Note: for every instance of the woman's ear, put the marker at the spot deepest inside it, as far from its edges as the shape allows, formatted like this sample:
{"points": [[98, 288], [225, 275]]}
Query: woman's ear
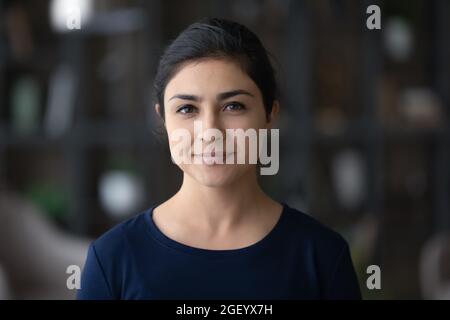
{"points": [[274, 113], [158, 110]]}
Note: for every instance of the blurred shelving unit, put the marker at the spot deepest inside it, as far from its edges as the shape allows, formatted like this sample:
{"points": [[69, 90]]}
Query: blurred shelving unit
{"points": [[2, 94], [441, 81], [103, 72], [406, 166]]}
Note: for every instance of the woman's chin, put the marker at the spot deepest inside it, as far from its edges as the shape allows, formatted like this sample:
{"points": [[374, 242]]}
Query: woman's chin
{"points": [[215, 176]]}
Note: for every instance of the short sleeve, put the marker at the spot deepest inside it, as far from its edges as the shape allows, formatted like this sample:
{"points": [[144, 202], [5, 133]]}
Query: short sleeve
{"points": [[344, 282], [94, 285]]}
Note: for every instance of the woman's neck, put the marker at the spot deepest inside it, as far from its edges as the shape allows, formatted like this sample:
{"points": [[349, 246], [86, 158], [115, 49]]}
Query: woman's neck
{"points": [[218, 207]]}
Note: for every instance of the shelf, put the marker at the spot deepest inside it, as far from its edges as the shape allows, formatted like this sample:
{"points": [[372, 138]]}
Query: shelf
{"points": [[101, 133]]}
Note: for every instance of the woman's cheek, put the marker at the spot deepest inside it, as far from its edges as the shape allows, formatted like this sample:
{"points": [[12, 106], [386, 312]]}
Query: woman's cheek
{"points": [[180, 141]]}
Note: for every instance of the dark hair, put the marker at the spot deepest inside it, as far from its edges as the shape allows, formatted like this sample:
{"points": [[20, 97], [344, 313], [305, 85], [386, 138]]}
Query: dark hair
{"points": [[218, 38]]}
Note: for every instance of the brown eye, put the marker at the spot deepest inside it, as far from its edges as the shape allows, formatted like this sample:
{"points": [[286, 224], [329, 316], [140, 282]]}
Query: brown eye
{"points": [[186, 109], [234, 106]]}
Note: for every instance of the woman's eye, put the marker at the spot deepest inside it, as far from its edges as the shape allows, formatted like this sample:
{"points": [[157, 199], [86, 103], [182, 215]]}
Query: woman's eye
{"points": [[186, 109], [234, 106]]}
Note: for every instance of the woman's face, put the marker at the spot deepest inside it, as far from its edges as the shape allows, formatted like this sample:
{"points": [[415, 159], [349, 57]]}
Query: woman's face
{"points": [[216, 94]]}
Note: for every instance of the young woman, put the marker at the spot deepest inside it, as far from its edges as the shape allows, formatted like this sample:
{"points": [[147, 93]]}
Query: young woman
{"points": [[220, 236]]}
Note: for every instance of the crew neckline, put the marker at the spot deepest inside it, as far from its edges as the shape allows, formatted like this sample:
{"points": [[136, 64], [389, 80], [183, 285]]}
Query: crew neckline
{"points": [[163, 239]]}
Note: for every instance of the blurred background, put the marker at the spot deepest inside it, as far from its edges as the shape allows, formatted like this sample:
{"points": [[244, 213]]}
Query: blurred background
{"points": [[364, 129]]}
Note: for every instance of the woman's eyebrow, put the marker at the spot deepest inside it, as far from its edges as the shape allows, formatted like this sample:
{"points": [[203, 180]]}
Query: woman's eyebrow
{"points": [[185, 97], [232, 93], [221, 96]]}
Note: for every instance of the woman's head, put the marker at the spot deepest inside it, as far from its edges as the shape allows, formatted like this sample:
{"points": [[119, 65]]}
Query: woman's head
{"points": [[218, 39], [216, 73]]}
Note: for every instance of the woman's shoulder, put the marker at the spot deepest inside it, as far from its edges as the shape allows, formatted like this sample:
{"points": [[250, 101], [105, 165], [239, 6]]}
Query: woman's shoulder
{"points": [[307, 229], [117, 239]]}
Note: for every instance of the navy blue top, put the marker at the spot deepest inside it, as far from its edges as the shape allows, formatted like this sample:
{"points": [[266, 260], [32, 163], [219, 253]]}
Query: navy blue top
{"points": [[298, 259]]}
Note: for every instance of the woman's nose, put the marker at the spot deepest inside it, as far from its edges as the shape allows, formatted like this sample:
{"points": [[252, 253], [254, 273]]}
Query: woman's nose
{"points": [[211, 127], [211, 120]]}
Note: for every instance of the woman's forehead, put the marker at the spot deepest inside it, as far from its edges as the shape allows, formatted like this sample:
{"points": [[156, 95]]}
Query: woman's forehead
{"points": [[209, 76]]}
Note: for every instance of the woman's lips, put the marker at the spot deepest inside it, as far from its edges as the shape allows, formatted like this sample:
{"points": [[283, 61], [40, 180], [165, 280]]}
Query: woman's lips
{"points": [[210, 158], [213, 154]]}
